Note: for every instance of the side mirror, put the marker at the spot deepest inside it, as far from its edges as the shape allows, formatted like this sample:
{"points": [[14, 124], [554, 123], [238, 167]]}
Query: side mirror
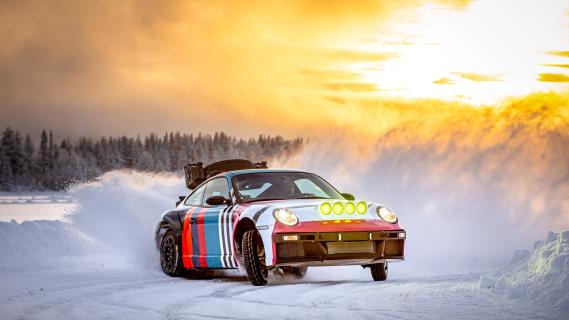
{"points": [[180, 199], [217, 200], [348, 196]]}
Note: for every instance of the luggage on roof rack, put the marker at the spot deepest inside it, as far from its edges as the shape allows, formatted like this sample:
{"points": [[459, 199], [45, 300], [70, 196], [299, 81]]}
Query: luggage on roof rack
{"points": [[196, 173]]}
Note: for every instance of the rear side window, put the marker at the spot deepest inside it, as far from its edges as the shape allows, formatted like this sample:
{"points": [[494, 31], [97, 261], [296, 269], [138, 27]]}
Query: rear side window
{"points": [[195, 199], [216, 187]]}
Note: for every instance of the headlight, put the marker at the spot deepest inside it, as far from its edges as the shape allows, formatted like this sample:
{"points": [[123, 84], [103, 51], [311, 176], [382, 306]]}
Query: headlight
{"points": [[286, 217], [386, 214]]}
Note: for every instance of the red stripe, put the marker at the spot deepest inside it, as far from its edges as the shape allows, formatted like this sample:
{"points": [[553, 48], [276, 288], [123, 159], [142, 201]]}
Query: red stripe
{"points": [[201, 237], [274, 247], [187, 241]]}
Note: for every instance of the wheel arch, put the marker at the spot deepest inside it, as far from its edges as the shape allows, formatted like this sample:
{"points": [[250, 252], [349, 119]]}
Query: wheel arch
{"points": [[243, 226], [170, 220]]}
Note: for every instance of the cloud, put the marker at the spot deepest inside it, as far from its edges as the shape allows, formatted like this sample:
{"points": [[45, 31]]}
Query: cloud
{"points": [[565, 66], [351, 86], [564, 54], [98, 65], [553, 77], [479, 77], [444, 81]]}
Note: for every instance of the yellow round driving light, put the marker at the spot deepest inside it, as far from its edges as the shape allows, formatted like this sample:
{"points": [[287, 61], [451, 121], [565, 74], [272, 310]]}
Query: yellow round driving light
{"points": [[286, 217], [386, 214], [361, 207], [350, 208], [325, 208], [338, 208]]}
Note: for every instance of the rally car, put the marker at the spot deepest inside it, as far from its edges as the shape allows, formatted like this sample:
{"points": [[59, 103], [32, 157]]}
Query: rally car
{"points": [[242, 214]]}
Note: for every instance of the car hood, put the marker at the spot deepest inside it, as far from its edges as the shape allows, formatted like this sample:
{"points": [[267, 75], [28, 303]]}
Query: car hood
{"points": [[309, 209]]}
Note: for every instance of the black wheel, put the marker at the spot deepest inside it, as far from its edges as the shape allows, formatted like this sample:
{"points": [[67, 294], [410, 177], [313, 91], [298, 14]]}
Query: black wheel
{"points": [[379, 271], [254, 258], [170, 255], [297, 272]]}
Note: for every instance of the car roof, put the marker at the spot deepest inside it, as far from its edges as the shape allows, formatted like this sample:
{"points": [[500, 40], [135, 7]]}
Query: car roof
{"points": [[231, 174]]}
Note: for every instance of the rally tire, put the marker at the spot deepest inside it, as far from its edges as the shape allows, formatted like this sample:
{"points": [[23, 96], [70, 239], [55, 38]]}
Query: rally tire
{"points": [[253, 255], [379, 271], [170, 255]]}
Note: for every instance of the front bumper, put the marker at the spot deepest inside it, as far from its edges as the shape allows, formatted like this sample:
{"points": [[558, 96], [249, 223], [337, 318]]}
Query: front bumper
{"points": [[338, 248]]}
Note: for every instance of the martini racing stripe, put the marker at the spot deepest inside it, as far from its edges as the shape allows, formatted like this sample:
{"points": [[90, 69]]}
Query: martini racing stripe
{"points": [[224, 236], [187, 243], [212, 236], [194, 239], [259, 213], [201, 236], [229, 237]]}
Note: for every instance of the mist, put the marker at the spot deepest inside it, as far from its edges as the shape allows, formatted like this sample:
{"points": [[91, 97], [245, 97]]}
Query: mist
{"points": [[470, 185]]}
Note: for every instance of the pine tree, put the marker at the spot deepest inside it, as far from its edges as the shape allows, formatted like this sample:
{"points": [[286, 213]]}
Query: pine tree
{"points": [[57, 165]]}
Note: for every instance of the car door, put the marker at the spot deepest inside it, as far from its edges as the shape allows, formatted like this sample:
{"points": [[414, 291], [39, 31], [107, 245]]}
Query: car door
{"points": [[206, 237], [190, 238]]}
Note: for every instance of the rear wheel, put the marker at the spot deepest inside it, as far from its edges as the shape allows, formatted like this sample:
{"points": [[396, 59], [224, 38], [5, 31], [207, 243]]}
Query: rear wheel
{"points": [[379, 271], [254, 258], [170, 255]]}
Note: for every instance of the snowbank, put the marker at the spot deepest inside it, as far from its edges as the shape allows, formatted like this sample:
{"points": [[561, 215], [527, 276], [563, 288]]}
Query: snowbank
{"points": [[32, 242], [541, 276]]}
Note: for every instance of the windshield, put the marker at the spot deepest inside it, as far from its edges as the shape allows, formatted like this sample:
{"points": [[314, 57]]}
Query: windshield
{"points": [[282, 186]]}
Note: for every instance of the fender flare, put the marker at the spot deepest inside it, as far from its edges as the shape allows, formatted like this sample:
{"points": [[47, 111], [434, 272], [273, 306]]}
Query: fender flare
{"points": [[170, 220], [246, 224]]}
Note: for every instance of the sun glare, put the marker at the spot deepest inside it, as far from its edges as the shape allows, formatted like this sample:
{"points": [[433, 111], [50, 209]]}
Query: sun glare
{"points": [[479, 54]]}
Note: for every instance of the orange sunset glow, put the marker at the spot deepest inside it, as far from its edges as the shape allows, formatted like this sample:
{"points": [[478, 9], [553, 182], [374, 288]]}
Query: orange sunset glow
{"points": [[299, 64]]}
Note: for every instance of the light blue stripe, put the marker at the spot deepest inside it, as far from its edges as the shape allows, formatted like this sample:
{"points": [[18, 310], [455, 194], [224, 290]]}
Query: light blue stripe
{"points": [[212, 236]]}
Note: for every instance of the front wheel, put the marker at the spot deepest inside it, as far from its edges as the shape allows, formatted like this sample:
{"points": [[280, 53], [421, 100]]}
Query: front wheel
{"points": [[254, 258], [170, 257], [379, 271]]}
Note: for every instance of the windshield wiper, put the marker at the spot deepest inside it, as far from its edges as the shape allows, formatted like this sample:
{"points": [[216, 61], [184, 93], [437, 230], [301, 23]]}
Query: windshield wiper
{"points": [[264, 199], [312, 197]]}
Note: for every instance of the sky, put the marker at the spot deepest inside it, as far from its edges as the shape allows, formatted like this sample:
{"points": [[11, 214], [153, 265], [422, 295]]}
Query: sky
{"points": [[295, 68], [455, 113]]}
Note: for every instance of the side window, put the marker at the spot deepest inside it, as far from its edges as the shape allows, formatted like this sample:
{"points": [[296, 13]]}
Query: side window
{"points": [[216, 187], [195, 199]]}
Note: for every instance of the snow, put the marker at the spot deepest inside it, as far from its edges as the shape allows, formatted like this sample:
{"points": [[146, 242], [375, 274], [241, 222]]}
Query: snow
{"points": [[35, 206], [100, 263], [541, 276]]}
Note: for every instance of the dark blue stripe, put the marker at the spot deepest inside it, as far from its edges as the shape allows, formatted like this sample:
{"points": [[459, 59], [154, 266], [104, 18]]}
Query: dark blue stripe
{"points": [[259, 213], [195, 238]]}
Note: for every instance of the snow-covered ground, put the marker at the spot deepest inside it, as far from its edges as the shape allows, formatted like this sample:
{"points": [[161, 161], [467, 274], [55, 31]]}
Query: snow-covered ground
{"points": [[100, 263], [35, 206]]}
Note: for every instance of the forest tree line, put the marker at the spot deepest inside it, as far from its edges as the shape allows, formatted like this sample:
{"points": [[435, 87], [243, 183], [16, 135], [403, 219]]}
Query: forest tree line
{"points": [[55, 165]]}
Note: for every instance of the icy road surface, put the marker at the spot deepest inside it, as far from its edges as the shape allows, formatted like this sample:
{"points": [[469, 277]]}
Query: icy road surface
{"points": [[104, 293]]}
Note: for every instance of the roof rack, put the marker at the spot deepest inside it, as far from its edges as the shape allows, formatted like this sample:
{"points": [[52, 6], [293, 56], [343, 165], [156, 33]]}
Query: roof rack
{"points": [[196, 173]]}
